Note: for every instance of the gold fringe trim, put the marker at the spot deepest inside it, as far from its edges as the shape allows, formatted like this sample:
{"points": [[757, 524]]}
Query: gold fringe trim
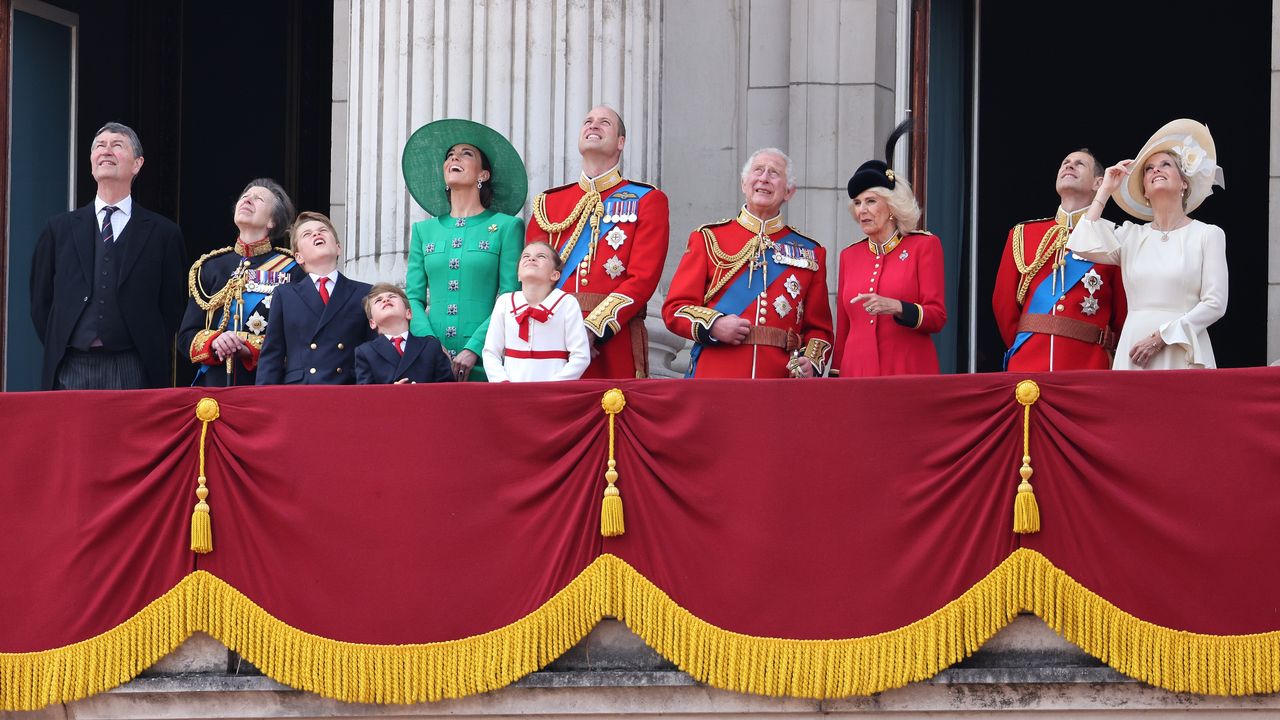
{"points": [[352, 672]]}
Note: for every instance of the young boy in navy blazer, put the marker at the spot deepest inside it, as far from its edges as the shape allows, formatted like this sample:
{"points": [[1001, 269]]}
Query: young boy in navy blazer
{"points": [[316, 323], [396, 356]]}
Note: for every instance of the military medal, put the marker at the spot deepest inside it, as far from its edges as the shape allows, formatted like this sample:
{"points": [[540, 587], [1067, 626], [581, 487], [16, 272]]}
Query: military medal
{"points": [[1092, 282], [792, 286], [256, 324], [635, 205], [795, 256], [613, 266], [615, 238], [781, 306]]}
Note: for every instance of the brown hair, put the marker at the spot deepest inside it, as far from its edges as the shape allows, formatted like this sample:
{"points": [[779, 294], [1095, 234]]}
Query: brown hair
{"points": [[556, 260], [378, 289], [308, 216]]}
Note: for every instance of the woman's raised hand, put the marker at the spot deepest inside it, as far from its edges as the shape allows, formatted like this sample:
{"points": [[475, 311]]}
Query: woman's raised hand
{"points": [[1112, 178]]}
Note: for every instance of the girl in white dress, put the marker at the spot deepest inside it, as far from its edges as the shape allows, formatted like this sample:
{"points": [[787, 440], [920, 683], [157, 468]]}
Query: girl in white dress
{"points": [[1174, 268], [536, 333]]}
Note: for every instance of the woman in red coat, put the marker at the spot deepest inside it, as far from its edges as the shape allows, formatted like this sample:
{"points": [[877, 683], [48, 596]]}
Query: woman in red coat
{"points": [[890, 292]]}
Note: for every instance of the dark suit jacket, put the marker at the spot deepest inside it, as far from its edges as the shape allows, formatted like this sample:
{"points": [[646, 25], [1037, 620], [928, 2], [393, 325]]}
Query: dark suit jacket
{"points": [[309, 342], [151, 286], [424, 361]]}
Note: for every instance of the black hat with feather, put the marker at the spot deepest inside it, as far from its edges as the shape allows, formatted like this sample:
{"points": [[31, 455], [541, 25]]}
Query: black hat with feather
{"points": [[877, 173]]}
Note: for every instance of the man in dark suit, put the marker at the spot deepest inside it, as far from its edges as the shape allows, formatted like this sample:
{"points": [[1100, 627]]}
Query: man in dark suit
{"points": [[316, 323], [107, 288], [396, 356]]}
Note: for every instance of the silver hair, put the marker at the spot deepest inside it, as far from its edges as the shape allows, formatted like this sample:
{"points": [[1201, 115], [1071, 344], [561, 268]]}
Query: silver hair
{"points": [[121, 129], [786, 159], [902, 203]]}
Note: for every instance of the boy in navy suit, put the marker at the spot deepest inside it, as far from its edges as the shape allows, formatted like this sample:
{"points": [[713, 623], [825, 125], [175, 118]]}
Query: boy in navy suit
{"points": [[317, 322], [396, 356]]}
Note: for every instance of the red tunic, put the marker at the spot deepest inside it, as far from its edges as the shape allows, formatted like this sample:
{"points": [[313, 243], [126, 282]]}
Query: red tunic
{"points": [[614, 288], [1042, 351], [910, 271], [795, 300]]}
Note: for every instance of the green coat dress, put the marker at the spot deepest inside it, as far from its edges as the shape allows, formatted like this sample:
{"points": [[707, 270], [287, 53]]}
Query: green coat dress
{"points": [[463, 265]]}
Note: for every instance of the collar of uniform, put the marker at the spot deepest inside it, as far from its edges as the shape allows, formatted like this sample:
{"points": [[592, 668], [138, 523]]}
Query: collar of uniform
{"points": [[1069, 219], [607, 181], [886, 248], [253, 249], [753, 223]]}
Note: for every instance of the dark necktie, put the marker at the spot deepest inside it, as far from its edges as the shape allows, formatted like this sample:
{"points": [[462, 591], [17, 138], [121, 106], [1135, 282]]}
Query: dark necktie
{"points": [[399, 343], [324, 290], [107, 235]]}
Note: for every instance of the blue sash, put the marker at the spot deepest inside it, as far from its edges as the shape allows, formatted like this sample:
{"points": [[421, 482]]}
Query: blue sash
{"points": [[1043, 299], [584, 239], [737, 297], [249, 300]]}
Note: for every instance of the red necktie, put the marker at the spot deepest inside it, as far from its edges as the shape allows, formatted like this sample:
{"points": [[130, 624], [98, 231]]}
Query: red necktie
{"points": [[538, 313], [324, 291], [399, 343]]}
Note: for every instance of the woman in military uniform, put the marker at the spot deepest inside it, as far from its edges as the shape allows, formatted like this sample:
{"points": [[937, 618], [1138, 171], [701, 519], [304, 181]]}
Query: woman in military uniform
{"points": [[472, 182], [230, 289]]}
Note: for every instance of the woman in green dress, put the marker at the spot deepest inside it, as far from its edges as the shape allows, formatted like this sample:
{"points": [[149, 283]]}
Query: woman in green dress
{"points": [[472, 181]]}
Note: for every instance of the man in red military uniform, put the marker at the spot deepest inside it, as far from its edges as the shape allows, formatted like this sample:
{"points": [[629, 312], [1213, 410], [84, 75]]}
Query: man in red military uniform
{"points": [[1055, 310], [612, 234], [752, 292]]}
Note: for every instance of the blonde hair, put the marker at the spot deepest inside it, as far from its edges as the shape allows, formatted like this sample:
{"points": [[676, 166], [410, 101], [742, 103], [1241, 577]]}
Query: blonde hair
{"points": [[1177, 165], [901, 201]]}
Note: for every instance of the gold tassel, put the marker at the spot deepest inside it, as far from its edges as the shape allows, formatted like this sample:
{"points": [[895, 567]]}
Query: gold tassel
{"points": [[1026, 511], [611, 522], [201, 524]]}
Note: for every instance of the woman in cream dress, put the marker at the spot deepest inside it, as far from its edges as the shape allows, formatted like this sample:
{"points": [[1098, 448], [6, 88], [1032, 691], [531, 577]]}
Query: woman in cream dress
{"points": [[1174, 267]]}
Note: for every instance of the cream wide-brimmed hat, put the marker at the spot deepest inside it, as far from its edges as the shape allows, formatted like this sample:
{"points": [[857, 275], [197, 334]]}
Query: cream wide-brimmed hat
{"points": [[1188, 141]]}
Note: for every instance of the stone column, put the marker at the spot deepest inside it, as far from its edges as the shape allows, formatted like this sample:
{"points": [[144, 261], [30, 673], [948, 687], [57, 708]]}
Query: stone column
{"points": [[841, 96], [813, 77], [528, 68]]}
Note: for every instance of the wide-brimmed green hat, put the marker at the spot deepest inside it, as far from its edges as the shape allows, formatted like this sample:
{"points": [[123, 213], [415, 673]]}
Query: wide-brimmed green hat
{"points": [[423, 165]]}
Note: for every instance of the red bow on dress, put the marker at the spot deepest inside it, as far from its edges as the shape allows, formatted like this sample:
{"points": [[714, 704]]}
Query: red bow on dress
{"points": [[538, 313]]}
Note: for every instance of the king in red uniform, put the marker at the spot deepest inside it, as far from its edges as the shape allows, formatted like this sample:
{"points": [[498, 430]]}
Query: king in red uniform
{"points": [[612, 234], [1057, 311], [752, 292]]}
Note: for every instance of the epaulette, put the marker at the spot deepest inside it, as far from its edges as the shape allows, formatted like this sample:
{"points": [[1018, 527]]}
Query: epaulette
{"points": [[921, 231], [710, 225], [641, 184], [283, 251], [1028, 222], [558, 188], [793, 229], [194, 273], [194, 289]]}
